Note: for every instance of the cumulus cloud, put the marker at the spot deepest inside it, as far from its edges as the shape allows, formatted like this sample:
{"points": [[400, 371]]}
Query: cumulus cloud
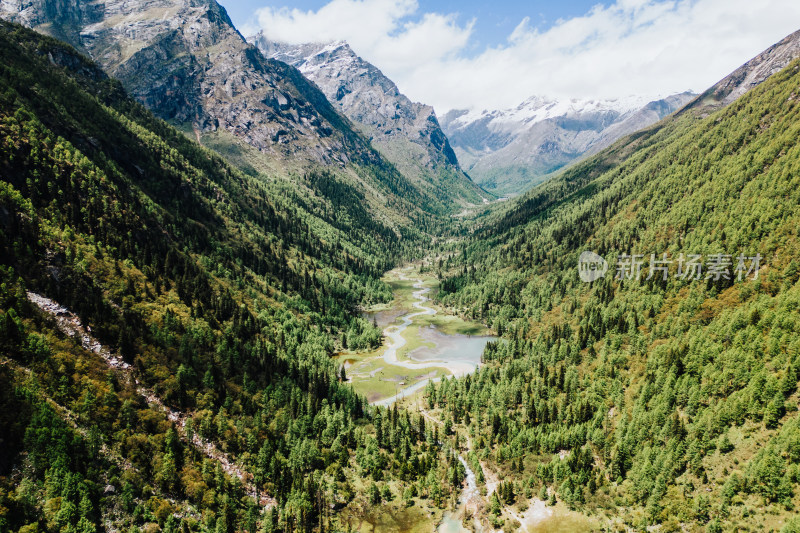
{"points": [[389, 33], [646, 48]]}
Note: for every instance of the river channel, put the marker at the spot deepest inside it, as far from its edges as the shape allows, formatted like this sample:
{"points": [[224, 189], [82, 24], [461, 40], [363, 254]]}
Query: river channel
{"points": [[459, 354]]}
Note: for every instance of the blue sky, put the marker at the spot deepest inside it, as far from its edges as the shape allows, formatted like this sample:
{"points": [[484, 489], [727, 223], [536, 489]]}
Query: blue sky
{"points": [[476, 55], [494, 21]]}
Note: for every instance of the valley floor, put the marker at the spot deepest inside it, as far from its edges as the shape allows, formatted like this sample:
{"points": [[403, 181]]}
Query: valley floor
{"points": [[423, 343]]}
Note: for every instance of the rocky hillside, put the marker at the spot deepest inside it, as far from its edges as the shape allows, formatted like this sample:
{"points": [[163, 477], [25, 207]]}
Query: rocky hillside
{"points": [[405, 132], [187, 63], [751, 74], [509, 151]]}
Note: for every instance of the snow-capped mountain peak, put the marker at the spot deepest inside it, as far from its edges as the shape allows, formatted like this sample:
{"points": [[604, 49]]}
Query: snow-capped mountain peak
{"points": [[539, 108], [405, 132], [510, 150]]}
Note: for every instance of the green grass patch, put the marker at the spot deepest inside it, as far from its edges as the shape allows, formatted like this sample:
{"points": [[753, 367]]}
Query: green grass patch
{"points": [[393, 517], [413, 341], [369, 374], [452, 325], [387, 381]]}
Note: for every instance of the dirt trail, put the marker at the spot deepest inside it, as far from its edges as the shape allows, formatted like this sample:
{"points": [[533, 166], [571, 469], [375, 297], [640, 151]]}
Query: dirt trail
{"points": [[70, 325]]}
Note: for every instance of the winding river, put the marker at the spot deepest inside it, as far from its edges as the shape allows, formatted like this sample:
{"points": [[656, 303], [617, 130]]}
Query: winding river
{"points": [[459, 354], [470, 498]]}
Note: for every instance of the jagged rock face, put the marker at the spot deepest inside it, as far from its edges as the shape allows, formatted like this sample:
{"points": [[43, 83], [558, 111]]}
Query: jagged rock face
{"points": [[510, 151], [407, 133], [185, 60], [750, 75]]}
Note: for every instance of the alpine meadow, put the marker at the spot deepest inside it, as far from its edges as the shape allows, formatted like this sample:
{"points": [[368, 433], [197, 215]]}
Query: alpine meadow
{"points": [[250, 285]]}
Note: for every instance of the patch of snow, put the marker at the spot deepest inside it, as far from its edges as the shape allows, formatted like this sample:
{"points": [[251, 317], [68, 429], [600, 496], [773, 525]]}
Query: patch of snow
{"points": [[539, 108]]}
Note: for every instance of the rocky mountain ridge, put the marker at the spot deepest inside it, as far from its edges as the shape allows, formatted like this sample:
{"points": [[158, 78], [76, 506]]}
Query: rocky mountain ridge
{"points": [[405, 132], [751, 74], [185, 60]]}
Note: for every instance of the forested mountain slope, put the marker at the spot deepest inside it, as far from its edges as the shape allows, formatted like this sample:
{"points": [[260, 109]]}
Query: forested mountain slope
{"points": [[187, 63], [654, 401], [194, 376]]}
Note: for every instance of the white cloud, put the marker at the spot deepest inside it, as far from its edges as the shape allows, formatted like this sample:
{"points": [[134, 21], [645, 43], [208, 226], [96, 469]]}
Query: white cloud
{"points": [[646, 48], [381, 31]]}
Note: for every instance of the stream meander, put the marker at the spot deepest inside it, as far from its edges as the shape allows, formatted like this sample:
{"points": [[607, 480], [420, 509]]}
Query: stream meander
{"points": [[458, 354]]}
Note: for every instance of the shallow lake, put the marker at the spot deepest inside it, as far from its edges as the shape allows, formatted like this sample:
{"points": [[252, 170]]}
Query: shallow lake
{"points": [[450, 347], [458, 354]]}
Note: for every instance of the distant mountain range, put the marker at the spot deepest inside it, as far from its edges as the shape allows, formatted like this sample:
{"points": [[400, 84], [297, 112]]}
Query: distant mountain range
{"points": [[505, 152], [186, 61], [405, 132], [509, 151]]}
